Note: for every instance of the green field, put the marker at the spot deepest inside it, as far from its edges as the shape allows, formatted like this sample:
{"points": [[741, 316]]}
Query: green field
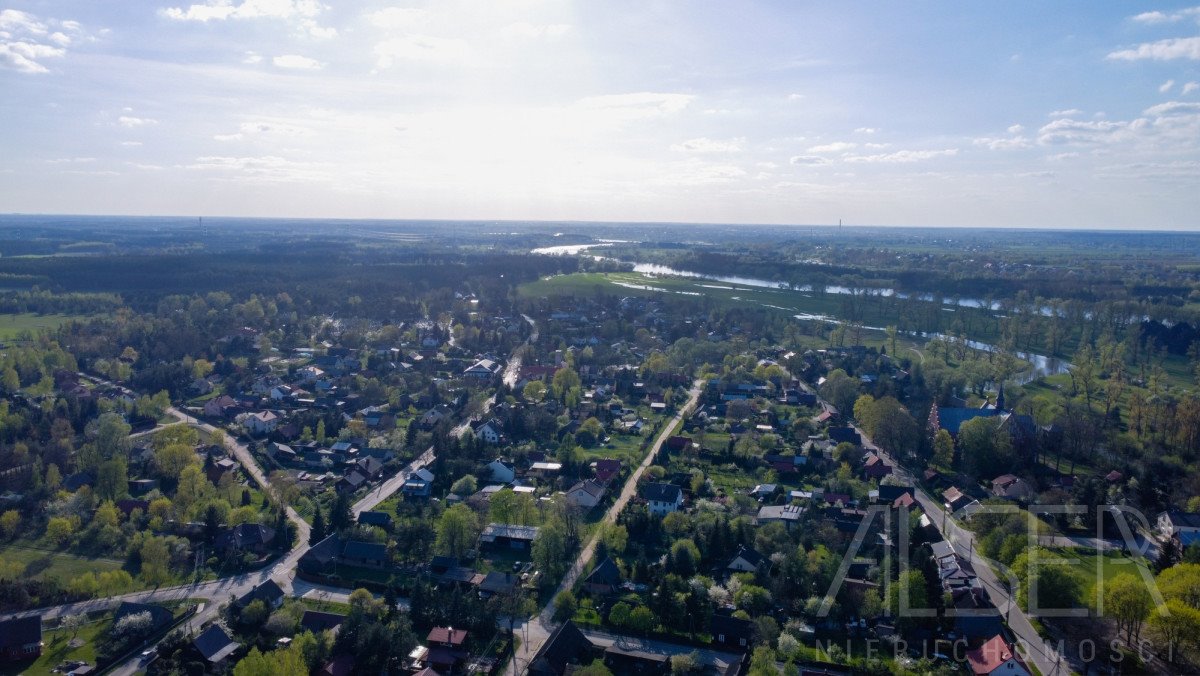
{"points": [[42, 563], [13, 325], [1084, 563]]}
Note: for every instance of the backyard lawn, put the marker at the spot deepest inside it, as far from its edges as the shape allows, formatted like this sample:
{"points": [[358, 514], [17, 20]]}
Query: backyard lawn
{"points": [[12, 325]]}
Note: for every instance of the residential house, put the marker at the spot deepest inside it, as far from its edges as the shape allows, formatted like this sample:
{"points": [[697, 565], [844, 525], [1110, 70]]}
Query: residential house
{"points": [[875, 468], [605, 470], [352, 481], [433, 416], [364, 554], [445, 648], [746, 560], [788, 515], [565, 650], [501, 472], [845, 435], [263, 422], [268, 592], [489, 431], [510, 536], [730, 631], [1176, 522], [419, 484], [604, 579], [246, 537], [484, 369], [220, 407], [1013, 487], [662, 499], [586, 494], [21, 638], [955, 499], [996, 657], [497, 583], [316, 621], [214, 646]]}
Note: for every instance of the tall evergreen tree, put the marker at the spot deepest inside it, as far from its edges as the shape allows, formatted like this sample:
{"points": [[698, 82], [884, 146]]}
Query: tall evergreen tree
{"points": [[318, 530]]}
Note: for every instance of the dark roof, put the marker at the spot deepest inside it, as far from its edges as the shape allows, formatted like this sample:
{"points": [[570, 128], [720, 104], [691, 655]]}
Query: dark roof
{"points": [[317, 621], [845, 435], [440, 564], [19, 632], [447, 636], [951, 418], [159, 616], [245, 535], [889, 493], [733, 628], [341, 665], [566, 645], [370, 551], [496, 582], [267, 592], [661, 492], [749, 555], [214, 644], [375, 518], [606, 573], [323, 552]]}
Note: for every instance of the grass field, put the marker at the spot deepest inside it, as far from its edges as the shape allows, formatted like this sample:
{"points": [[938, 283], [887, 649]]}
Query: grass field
{"points": [[1084, 563], [41, 563], [12, 325]]}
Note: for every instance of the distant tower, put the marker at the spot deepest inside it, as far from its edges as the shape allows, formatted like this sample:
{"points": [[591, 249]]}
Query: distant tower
{"points": [[1000, 398]]}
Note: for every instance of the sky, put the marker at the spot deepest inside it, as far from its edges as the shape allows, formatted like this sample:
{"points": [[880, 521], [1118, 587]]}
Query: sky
{"points": [[1080, 114]]}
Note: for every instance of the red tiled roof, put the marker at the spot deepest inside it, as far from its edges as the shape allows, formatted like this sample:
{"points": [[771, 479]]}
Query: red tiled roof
{"points": [[988, 657], [447, 636]]}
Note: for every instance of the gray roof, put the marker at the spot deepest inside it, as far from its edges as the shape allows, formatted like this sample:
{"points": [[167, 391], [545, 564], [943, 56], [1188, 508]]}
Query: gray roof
{"points": [[510, 531], [214, 644], [658, 492]]}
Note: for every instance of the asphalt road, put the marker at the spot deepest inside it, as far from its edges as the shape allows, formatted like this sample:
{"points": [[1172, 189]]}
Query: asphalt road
{"points": [[535, 631]]}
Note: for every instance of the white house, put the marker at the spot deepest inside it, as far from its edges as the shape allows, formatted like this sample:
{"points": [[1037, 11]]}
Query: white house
{"points": [[586, 494], [746, 560], [263, 422], [483, 369], [501, 472], [996, 657], [1176, 522], [491, 431], [311, 374], [662, 499]]}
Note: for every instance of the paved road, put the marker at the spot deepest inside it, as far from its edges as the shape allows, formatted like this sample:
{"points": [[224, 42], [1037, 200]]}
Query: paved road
{"points": [[535, 631], [1036, 651], [385, 489], [512, 372]]}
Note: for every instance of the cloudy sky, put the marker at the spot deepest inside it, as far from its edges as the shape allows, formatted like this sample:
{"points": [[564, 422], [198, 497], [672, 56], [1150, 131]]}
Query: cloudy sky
{"points": [[1065, 114]]}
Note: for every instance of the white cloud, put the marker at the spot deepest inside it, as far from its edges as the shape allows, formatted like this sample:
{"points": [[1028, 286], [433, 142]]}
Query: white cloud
{"points": [[809, 160], [131, 144], [1016, 129], [265, 128], [133, 122], [1163, 50], [398, 17], [528, 31], [1013, 143], [1174, 108], [1069, 112], [1190, 87], [252, 58], [71, 160], [1166, 86], [707, 145], [866, 130], [296, 62], [426, 48], [1068, 131], [903, 156], [795, 97], [302, 12], [1157, 17], [227, 137], [27, 41], [835, 147]]}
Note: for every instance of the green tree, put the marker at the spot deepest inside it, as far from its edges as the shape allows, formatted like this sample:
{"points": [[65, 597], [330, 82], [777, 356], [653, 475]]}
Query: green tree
{"points": [[112, 479], [551, 549], [10, 523], [943, 449], [457, 529], [171, 460], [642, 620], [1057, 586], [565, 606], [60, 528], [534, 391], [618, 615], [615, 539], [596, 668], [156, 557], [985, 448], [1177, 630], [466, 485], [1128, 600]]}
